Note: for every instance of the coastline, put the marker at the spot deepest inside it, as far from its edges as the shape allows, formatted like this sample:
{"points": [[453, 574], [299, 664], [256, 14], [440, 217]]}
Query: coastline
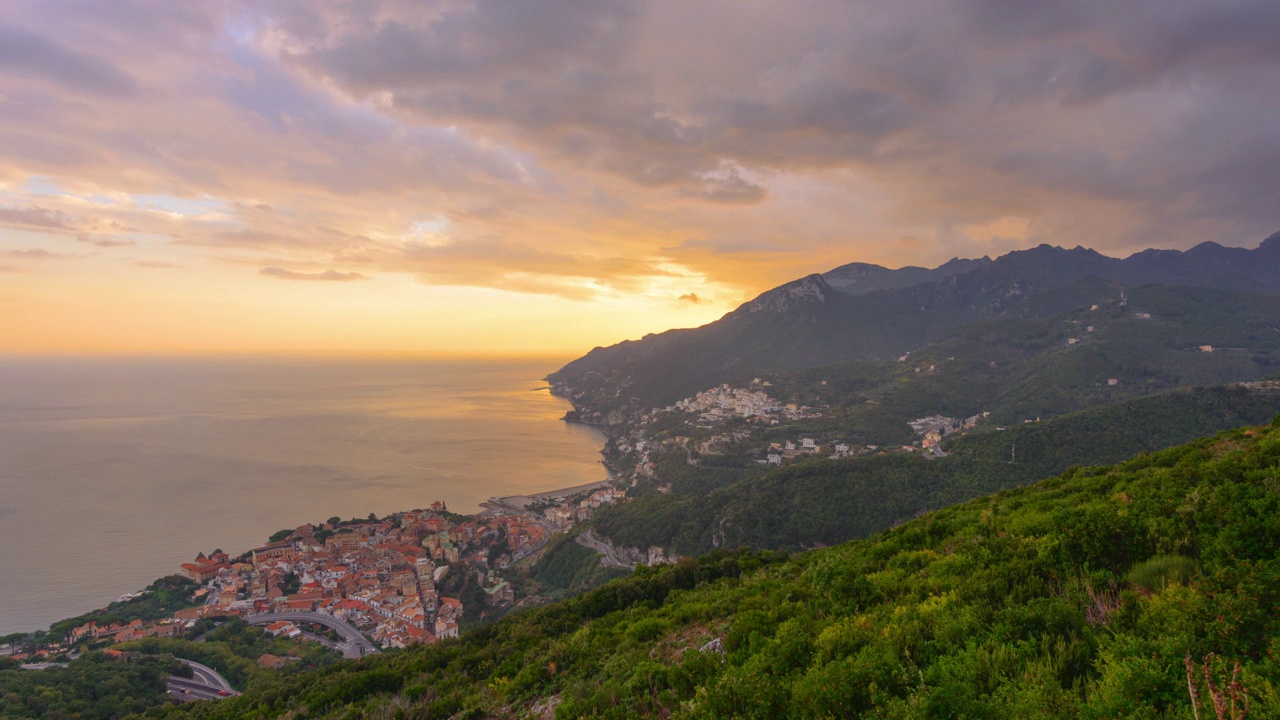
{"points": [[373, 424], [521, 502]]}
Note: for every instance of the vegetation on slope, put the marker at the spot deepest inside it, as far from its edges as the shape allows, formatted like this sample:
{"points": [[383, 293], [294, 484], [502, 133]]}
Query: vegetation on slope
{"points": [[1021, 369], [827, 502], [233, 649], [1083, 596], [94, 686]]}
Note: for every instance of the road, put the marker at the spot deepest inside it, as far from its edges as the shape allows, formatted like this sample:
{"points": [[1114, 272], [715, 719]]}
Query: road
{"points": [[207, 675], [206, 683], [587, 540], [355, 643], [184, 690]]}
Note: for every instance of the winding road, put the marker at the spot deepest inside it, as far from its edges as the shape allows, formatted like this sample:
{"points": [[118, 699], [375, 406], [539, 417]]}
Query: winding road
{"points": [[588, 540], [205, 684], [354, 644]]}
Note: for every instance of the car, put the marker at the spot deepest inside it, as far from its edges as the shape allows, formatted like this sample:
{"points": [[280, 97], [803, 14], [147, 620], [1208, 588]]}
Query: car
{"points": [[224, 693], [185, 691]]}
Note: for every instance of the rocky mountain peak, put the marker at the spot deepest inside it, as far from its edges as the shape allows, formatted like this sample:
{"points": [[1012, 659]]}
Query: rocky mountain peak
{"points": [[810, 289]]}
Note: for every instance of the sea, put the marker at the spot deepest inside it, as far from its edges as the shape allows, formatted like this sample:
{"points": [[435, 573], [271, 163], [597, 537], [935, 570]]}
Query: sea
{"points": [[113, 472]]}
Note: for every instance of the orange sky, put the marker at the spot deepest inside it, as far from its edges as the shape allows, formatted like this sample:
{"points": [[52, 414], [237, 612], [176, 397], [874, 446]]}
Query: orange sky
{"points": [[512, 178]]}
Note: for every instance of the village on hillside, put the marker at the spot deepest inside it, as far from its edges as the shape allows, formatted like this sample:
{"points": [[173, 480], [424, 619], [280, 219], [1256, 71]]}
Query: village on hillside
{"points": [[728, 420]]}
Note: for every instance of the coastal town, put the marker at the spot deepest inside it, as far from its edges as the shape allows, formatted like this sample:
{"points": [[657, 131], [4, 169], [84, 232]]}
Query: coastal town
{"points": [[409, 578], [387, 577]]}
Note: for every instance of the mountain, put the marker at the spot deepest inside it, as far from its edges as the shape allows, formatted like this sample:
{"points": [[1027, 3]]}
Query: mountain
{"points": [[862, 278], [1127, 591], [825, 502], [1125, 374], [811, 322]]}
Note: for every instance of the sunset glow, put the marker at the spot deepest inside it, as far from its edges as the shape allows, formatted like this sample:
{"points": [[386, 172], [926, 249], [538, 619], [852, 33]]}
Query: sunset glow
{"points": [[498, 178]]}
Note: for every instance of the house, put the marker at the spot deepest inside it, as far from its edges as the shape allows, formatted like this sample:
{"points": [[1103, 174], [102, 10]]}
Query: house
{"points": [[203, 569], [450, 609], [285, 628], [774, 459], [446, 628], [273, 662]]}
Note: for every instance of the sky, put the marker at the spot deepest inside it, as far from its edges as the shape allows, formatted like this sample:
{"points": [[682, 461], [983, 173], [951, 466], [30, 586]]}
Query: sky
{"points": [[520, 177]]}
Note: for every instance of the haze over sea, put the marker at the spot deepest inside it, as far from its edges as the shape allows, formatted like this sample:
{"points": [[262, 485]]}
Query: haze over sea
{"points": [[113, 472]]}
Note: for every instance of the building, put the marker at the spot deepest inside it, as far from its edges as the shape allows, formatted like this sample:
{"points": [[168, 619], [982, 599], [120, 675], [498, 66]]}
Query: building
{"points": [[274, 552], [204, 569]]}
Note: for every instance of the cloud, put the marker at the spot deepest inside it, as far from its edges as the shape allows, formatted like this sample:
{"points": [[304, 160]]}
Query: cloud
{"points": [[101, 241], [498, 262], [35, 254], [584, 149], [155, 264], [690, 298], [34, 217], [326, 276], [30, 54], [730, 189], [922, 98]]}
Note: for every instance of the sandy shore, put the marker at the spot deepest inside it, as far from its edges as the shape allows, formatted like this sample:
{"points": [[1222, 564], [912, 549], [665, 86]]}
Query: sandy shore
{"points": [[522, 501]]}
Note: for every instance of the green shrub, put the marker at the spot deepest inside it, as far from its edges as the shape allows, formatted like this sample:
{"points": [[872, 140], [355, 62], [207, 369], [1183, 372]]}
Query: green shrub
{"points": [[1159, 572]]}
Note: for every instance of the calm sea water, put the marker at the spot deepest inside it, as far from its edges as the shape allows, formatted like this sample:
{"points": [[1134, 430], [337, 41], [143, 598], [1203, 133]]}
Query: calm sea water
{"points": [[114, 472]]}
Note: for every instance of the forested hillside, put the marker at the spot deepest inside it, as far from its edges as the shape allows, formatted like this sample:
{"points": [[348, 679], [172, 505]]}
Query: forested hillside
{"points": [[823, 502], [1102, 593]]}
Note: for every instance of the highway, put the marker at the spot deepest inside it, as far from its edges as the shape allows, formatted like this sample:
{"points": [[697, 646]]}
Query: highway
{"points": [[205, 684], [184, 690], [355, 643], [207, 675]]}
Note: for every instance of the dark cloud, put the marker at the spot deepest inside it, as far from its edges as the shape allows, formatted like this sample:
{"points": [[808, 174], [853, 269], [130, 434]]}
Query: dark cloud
{"points": [[32, 55], [326, 276], [567, 146], [691, 298], [484, 40], [730, 189], [924, 94]]}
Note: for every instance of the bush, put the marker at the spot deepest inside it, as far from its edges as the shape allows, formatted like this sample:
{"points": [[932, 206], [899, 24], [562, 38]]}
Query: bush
{"points": [[1159, 572]]}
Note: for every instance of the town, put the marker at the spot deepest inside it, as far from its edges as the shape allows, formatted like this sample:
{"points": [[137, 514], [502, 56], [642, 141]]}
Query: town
{"points": [[397, 581]]}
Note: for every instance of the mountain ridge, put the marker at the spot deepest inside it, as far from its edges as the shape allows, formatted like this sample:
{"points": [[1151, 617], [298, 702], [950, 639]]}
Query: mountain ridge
{"points": [[809, 322]]}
